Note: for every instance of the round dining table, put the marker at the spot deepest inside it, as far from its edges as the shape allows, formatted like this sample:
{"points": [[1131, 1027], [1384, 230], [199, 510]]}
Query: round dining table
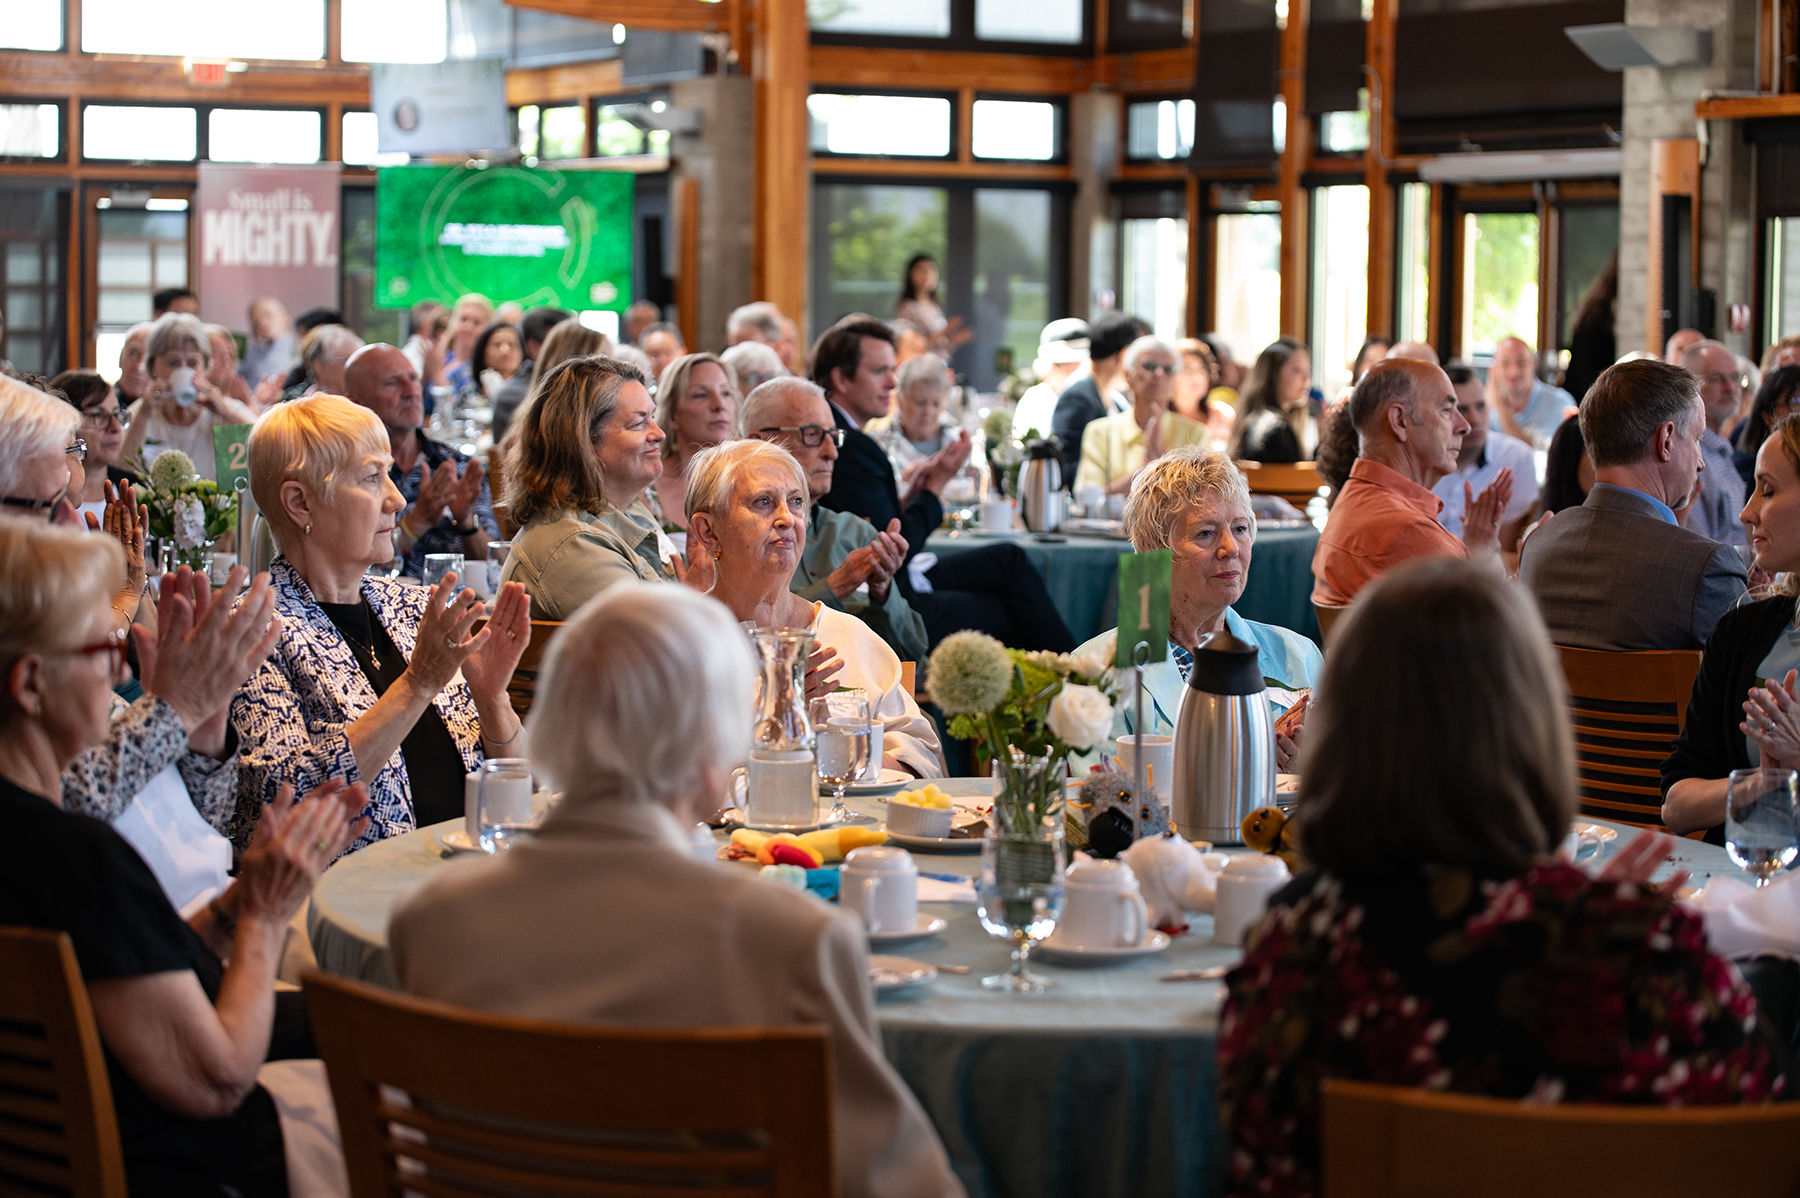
{"points": [[1101, 1085]]}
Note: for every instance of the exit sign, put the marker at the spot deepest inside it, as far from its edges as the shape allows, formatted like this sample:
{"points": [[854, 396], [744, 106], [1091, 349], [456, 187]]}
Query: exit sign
{"points": [[207, 72]]}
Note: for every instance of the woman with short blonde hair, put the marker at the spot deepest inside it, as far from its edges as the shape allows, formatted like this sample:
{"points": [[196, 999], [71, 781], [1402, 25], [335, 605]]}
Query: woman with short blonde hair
{"points": [[372, 681], [698, 406]]}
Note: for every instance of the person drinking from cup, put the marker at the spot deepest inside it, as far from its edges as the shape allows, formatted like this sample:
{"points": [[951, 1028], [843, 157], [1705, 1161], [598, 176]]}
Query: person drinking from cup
{"points": [[373, 681], [747, 504], [1743, 713], [182, 406], [1435, 941], [1196, 503]]}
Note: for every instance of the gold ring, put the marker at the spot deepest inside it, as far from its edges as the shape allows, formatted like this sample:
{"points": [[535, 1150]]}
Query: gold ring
{"points": [[450, 639], [511, 635], [324, 846]]}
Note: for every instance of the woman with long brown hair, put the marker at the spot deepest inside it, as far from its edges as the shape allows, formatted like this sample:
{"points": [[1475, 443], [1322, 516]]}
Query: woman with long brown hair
{"points": [[1275, 422]]}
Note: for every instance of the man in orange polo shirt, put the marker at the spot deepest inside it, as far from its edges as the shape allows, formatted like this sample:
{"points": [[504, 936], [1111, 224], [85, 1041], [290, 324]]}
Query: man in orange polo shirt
{"points": [[1405, 415]]}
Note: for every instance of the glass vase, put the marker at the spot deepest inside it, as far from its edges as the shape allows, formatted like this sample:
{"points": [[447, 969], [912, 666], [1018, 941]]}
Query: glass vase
{"points": [[1023, 858]]}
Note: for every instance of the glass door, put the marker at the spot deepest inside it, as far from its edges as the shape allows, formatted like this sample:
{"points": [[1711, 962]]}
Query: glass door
{"points": [[137, 251]]}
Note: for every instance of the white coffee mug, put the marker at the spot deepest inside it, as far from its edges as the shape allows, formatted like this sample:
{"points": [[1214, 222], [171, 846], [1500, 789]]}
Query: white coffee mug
{"points": [[1245, 886], [219, 568], [997, 515], [1158, 753], [881, 884], [1102, 907]]}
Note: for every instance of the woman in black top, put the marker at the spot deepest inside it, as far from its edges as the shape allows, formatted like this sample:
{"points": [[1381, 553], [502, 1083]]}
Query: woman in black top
{"points": [[1774, 399], [184, 1035], [1743, 712], [1275, 423]]}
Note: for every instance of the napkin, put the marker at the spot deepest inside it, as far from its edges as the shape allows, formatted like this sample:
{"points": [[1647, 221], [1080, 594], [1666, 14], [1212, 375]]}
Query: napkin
{"points": [[917, 567], [936, 890], [1745, 922]]}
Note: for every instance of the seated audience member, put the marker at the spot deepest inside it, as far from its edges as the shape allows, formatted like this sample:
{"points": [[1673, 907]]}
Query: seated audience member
{"points": [[1435, 941], [994, 589], [1778, 396], [1062, 348], [1276, 423], [1193, 392], [162, 420], [1372, 350], [1678, 343], [845, 563], [324, 354], [621, 687], [533, 329], [588, 448], [1715, 513], [1741, 714], [918, 427], [754, 364], [1785, 352], [103, 431], [662, 344], [1096, 390], [1338, 449], [1618, 572], [747, 506], [134, 372], [499, 355], [1114, 448], [468, 316], [269, 350], [569, 339], [184, 1033], [174, 299], [1409, 431], [697, 408], [299, 380], [373, 681], [222, 371], [424, 348], [638, 317], [1527, 406], [1568, 471], [1418, 351], [449, 508], [762, 322], [1196, 502], [1484, 453]]}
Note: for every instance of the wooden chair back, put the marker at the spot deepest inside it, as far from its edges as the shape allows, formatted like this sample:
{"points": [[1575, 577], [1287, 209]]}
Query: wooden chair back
{"points": [[909, 678], [523, 687], [1626, 709], [58, 1132], [1394, 1142], [438, 1100], [1328, 616], [495, 465], [1297, 483]]}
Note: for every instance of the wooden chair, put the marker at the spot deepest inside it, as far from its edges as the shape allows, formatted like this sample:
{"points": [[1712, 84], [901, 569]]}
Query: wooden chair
{"points": [[1394, 1142], [58, 1133], [523, 686], [495, 465], [1626, 709], [491, 1104], [1297, 484], [909, 678], [1327, 617]]}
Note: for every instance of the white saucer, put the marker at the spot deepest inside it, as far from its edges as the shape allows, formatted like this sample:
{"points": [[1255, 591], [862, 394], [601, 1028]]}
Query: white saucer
{"points": [[995, 532], [935, 844], [927, 926], [1155, 942], [889, 782], [457, 841], [890, 975], [1604, 834]]}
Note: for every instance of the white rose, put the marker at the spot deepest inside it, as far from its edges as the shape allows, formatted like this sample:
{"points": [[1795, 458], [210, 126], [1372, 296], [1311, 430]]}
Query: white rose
{"points": [[1089, 665], [1080, 716]]}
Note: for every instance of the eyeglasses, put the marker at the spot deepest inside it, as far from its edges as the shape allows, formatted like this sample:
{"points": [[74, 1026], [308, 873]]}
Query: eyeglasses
{"points": [[101, 417], [114, 644], [78, 451], [1156, 367], [1738, 381], [811, 435], [35, 505]]}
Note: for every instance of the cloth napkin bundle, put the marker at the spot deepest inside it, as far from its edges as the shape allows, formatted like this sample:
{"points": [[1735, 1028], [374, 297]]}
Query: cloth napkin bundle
{"points": [[1742, 921]]}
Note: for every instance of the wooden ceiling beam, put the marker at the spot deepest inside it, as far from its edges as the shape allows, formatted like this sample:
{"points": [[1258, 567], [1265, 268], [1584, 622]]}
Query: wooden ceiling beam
{"points": [[28, 75], [698, 16]]}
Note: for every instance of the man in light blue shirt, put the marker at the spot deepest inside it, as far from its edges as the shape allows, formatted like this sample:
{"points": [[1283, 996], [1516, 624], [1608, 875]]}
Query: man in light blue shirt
{"points": [[1721, 498], [1528, 407], [1484, 454]]}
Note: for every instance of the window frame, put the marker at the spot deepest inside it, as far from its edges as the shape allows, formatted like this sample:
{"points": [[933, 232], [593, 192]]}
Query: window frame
{"points": [[1132, 100], [962, 37], [200, 112], [957, 132], [62, 126], [324, 115], [1059, 104]]}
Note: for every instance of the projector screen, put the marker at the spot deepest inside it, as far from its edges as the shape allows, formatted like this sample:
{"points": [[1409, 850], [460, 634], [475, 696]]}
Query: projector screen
{"points": [[538, 237]]}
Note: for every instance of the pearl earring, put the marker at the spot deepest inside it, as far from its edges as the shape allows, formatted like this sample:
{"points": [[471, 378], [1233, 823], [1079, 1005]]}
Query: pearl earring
{"points": [[307, 530]]}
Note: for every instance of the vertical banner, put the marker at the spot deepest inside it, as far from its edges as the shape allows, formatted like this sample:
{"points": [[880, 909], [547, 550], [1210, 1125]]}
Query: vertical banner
{"points": [[266, 230]]}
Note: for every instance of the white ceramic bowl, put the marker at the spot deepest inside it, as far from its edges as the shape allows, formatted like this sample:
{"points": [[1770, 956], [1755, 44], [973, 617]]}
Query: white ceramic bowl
{"points": [[909, 820]]}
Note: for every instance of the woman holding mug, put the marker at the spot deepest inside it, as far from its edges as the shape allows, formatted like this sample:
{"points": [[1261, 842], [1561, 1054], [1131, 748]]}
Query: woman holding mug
{"points": [[182, 406]]}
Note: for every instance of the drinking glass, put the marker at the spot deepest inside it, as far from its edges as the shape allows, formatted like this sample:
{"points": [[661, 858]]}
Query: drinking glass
{"points": [[1019, 894], [496, 562], [438, 565], [503, 802], [1759, 822], [841, 730]]}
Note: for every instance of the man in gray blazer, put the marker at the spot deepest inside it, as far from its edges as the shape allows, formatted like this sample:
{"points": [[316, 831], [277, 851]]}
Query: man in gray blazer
{"points": [[1620, 572]]}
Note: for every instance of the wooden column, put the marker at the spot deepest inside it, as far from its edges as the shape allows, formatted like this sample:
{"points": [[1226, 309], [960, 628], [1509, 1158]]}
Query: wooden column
{"points": [[687, 257], [783, 169], [1198, 316], [1295, 292], [1379, 55], [1674, 170]]}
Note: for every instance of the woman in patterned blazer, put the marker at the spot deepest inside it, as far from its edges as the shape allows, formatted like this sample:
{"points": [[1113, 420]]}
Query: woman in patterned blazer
{"points": [[373, 681]]}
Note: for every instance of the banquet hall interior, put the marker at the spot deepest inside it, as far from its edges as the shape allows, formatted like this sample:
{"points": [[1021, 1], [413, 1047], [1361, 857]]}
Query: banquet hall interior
{"points": [[899, 597]]}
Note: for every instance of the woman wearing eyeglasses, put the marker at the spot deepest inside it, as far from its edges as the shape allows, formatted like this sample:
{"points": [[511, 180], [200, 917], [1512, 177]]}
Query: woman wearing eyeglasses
{"points": [[103, 429], [587, 449], [1114, 448]]}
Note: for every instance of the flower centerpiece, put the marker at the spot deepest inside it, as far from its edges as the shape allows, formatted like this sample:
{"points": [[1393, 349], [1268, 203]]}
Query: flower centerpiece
{"points": [[186, 511], [1029, 711]]}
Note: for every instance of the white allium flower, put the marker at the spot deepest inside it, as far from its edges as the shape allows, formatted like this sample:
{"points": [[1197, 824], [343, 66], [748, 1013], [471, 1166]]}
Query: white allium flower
{"points": [[970, 673]]}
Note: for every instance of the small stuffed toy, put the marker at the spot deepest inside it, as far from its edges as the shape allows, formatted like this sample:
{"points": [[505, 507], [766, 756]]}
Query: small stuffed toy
{"points": [[1109, 799], [1173, 878], [1269, 830]]}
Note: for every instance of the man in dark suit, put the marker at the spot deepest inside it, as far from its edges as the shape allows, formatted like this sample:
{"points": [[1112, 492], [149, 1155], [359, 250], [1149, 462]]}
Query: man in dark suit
{"points": [[994, 589], [1620, 572], [1089, 396]]}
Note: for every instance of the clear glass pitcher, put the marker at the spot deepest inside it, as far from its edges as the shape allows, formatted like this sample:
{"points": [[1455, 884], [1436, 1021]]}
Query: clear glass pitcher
{"points": [[781, 784]]}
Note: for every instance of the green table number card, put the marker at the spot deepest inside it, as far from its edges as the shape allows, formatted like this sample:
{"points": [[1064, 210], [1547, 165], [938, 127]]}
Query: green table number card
{"points": [[231, 454], [1144, 604]]}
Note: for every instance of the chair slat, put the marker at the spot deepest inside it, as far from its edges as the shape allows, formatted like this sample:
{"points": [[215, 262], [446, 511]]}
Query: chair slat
{"points": [[24, 1047], [453, 1167], [563, 1149], [35, 1168]]}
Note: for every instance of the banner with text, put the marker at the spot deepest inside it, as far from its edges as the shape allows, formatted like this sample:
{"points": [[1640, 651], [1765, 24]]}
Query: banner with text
{"points": [[266, 230]]}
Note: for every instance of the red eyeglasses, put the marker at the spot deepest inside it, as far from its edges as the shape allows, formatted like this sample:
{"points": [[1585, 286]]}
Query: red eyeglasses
{"points": [[115, 644]]}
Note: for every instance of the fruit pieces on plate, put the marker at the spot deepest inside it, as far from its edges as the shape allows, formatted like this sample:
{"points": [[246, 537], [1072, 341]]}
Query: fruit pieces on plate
{"points": [[927, 796], [808, 850]]}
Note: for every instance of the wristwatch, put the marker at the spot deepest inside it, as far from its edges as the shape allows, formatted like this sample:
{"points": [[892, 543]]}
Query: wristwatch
{"points": [[474, 527]]}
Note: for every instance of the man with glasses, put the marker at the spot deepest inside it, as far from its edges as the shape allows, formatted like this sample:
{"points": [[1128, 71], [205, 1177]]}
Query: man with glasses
{"points": [[1715, 512]]}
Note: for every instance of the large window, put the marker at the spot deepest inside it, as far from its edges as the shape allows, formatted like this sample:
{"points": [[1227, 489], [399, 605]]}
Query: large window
{"points": [[911, 126], [395, 30], [894, 18], [1247, 292], [1412, 279], [1159, 129], [617, 134], [1782, 304], [1012, 282], [132, 134], [362, 134], [30, 254], [1340, 282], [358, 257], [30, 131], [863, 237], [1589, 236], [263, 135], [553, 133], [140, 252], [1019, 129], [292, 29], [1499, 279], [1054, 21], [957, 23], [32, 25], [1153, 266]]}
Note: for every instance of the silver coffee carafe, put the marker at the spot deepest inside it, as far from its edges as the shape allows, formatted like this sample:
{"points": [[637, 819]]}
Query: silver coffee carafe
{"points": [[1224, 743], [1040, 488]]}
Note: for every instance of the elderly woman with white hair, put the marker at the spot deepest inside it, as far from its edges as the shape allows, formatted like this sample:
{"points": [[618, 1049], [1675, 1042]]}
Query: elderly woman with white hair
{"points": [[1196, 503], [182, 406], [755, 364], [640, 733], [372, 681], [1114, 448], [747, 505], [917, 426]]}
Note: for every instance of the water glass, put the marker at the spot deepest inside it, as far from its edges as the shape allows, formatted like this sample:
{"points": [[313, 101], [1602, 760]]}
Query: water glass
{"points": [[503, 804], [841, 730], [1759, 822], [496, 562], [1019, 893], [438, 565]]}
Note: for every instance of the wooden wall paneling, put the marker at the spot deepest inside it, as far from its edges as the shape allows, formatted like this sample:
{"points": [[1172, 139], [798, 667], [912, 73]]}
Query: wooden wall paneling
{"points": [[693, 15], [1674, 170], [559, 84], [1435, 279], [687, 257], [1295, 242], [1209, 271], [334, 32], [1379, 74], [1549, 332], [742, 41], [965, 124], [783, 168], [334, 132], [943, 70], [1768, 48], [161, 80]]}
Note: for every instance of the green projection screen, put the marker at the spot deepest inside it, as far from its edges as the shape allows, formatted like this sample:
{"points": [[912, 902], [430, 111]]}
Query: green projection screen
{"points": [[538, 237]]}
